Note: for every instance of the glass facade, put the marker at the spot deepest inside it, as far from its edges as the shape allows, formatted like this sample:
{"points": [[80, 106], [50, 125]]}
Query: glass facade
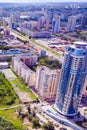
{"points": [[72, 79]]}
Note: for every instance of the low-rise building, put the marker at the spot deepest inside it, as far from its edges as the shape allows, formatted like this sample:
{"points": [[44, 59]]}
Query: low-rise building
{"points": [[3, 65], [36, 34]]}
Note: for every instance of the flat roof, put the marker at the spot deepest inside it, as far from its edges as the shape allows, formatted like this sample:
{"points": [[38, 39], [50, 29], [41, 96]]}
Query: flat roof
{"points": [[24, 16], [3, 63], [80, 43]]}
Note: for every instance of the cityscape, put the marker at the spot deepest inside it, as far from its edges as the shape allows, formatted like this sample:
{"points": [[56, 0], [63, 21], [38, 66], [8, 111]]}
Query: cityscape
{"points": [[43, 65]]}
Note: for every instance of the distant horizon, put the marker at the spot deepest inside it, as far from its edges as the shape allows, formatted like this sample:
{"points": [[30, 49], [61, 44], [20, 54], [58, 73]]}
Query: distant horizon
{"points": [[42, 1]]}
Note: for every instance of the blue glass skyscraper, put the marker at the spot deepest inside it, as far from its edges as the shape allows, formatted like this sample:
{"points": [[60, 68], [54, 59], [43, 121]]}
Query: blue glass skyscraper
{"points": [[72, 79]]}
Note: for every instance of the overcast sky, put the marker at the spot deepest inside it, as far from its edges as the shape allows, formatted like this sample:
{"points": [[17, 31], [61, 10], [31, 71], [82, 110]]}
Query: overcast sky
{"points": [[27, 1]]}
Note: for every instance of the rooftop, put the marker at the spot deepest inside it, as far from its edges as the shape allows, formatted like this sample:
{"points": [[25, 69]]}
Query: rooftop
{"points": [[3, 63], [48, 70], [24, 16], [80, 43]]}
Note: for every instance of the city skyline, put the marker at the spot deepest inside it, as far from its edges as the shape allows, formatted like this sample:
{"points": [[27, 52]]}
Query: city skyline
{"points": [[30, 1], [43, 64]]}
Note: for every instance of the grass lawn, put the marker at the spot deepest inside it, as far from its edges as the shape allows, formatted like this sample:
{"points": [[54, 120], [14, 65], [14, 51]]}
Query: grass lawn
{"points": [[11, 116], [83, 33], [7, 94], [4, 125], [21, 85]]}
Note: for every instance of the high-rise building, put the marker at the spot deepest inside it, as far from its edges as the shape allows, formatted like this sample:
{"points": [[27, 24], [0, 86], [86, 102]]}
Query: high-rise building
{"points": [[56, 24], [85, 86], [39, 24], [12, 19], [47, 81], [71, 23], [73, 76], [50, 15], [1, 11], [47, 24], [24, 71], [84, 20]]}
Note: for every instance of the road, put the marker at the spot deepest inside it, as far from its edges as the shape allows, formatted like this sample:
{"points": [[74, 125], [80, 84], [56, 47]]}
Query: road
{"points": [[38, 46], [61, 119]]}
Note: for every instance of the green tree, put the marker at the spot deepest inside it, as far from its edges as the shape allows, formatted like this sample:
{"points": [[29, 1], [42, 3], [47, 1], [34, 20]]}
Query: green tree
{"points": [[35, 123], [29, 108], [30, 117], [48, 126]]}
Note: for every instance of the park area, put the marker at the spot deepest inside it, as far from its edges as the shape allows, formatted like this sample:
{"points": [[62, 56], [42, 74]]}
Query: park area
{"points": [[12, 119], [13, 92], [7, 94], [8, 100], [21, 89]]}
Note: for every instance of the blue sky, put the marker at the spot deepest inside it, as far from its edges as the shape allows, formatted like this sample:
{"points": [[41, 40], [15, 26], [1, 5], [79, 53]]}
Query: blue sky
{"points": [[23, 1]]}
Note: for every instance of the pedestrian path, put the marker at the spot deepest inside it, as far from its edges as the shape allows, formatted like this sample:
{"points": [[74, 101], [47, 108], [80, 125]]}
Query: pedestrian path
{"points": [[9, 74]]}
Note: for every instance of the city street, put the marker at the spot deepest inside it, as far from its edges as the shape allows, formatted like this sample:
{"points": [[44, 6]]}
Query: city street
{"points": [[37, 46], [59, 118]]}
